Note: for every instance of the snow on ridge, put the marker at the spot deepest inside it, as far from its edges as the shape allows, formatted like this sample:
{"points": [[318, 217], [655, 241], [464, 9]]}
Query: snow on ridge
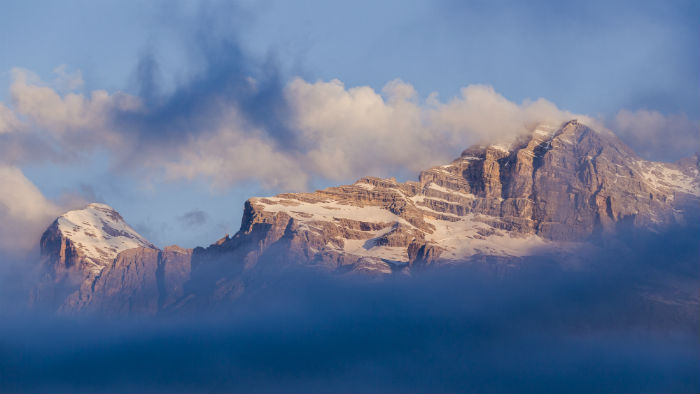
{"points": [[460, 238], [468, 236], [100, 233], [330, 210]]}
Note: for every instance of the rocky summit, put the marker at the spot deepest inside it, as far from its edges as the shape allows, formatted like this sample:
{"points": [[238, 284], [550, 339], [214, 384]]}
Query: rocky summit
{"points": [[550, 191]]}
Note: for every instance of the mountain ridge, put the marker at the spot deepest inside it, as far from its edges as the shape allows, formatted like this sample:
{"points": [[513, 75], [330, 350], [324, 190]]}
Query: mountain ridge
{"points": [[549, 192]]}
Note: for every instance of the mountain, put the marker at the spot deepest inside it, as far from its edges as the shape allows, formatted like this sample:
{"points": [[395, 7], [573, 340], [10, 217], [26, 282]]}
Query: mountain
{"points": [[92, 260], [551, 191]]}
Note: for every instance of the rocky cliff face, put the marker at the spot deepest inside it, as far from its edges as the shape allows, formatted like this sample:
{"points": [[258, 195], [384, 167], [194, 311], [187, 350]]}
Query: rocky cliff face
{"points": [[549, 191]]}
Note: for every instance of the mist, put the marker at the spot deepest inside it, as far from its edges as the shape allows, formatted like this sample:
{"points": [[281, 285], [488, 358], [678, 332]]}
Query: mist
{"points": [[623, 317]]}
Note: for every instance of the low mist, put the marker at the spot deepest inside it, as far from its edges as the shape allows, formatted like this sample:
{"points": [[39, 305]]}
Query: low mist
{"points": [[622, 317]]}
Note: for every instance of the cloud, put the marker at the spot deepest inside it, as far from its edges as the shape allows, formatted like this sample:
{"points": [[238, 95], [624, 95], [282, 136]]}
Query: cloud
{"points": [[234, 121], [485, 114], [656, 136], [238, 129], [231, 117], [76, 121], [358, 131], [8, 121], [194, 218], [347, 133], [242, 129], [24, 211], [230, 152], [50, 125]]}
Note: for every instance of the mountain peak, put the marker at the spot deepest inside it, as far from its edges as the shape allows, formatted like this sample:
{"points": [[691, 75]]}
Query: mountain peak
{"points": [[571, 123], [541, 132], [99, 232]]}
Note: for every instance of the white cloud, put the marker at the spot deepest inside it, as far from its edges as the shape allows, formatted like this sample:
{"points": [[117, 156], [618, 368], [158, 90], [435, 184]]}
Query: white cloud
{"points": [[231, 153], [228, 152], [356, 131], [75, 120], [352, 132], [337, 133]]}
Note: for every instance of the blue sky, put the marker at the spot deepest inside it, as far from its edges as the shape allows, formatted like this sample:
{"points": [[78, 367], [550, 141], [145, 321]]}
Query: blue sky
{"points": [[188, 63]]}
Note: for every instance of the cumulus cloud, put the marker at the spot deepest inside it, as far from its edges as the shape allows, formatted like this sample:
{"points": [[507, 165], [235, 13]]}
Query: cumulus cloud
{"points": [[656, 136], [231, 153], [76, 121], [347, 133], [176, 140], [313, 130]]}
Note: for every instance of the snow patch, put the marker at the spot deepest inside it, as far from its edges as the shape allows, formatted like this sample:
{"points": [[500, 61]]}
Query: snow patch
{"points": [[664, 177], [468, 237]]}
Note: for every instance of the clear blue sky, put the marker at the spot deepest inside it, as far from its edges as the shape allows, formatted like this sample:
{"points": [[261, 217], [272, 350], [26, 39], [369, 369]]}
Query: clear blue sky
{"points": [[591, 57]]}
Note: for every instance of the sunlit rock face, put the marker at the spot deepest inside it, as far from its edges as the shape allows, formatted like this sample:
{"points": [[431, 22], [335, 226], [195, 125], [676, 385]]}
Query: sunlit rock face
{"points": [[548, 192]]}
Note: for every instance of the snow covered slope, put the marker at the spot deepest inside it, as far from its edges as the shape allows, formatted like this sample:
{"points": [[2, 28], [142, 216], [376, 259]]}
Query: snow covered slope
{"points": [[363, 226], [98, 233]]}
